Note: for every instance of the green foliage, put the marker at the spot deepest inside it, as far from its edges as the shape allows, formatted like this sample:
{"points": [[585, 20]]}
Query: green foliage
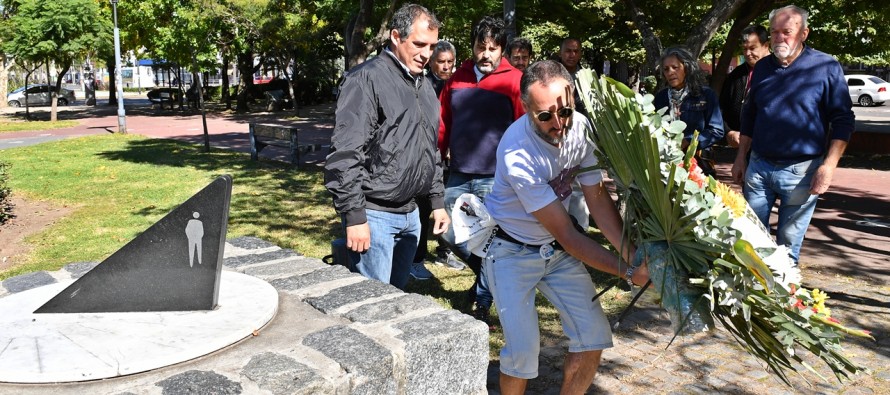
{"points": [[5, 193]]}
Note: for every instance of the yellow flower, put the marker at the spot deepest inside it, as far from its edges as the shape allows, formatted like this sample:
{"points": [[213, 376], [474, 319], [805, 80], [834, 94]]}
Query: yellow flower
{"points": [[731, 199], [819, 298]]}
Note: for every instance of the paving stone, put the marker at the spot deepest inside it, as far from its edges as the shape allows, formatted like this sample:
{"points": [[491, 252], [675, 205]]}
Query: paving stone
{"points": [[390, 309], [283, 375], [78, 269], [197, 382], [243, 260], [322, 275], [359, 355], [885, 375], [28, 281], [295, 266], [352, 293], [250, 243], [447, 353]]}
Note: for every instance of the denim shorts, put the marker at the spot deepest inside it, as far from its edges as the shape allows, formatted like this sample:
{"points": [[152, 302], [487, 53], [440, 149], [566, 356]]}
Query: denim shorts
{"points": [[514, 272]]}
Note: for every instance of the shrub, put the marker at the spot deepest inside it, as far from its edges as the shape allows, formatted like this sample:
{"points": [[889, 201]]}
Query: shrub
{"points": [[5, 192]]}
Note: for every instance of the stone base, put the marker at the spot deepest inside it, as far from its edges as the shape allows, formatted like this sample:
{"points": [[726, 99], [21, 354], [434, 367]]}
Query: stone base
{"points": [[335, 333]]}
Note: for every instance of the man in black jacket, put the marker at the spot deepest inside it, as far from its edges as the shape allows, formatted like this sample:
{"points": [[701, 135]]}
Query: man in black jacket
{"points": [[383, 150], [755, 46]]}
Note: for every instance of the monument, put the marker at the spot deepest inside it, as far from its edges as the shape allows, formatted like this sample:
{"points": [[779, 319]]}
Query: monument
{"points": [[159, 300]]}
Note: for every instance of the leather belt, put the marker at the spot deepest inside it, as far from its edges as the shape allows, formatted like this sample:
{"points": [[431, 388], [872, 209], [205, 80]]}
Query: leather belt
{"points": [[501, 234]]}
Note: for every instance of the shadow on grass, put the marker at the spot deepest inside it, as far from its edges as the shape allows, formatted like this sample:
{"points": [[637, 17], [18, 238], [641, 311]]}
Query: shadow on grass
{"points": [[272, 201]]}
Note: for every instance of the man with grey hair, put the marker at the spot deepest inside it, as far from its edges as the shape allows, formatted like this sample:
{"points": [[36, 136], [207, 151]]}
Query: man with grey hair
{"points": [[442, 65], [536, 246], [383, 150], [796, 122]]}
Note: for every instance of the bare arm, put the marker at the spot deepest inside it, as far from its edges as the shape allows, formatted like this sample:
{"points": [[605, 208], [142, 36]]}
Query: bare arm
{"points": [[822, 178], [741, 160]]}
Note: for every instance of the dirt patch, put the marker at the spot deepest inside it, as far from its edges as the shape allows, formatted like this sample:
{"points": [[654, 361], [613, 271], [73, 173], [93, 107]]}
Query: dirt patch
{"points": [[31, 217]]}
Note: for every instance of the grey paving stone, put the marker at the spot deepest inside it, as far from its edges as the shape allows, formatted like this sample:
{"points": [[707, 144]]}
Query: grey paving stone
{"points": [[322, 275], [243, 260], [198, 382], [447, 353], [295, 266], [391, 308], [250, 243], [28, 281], [78, 269], [352, 293], [283, 375], [885, 375], [358, 355]]}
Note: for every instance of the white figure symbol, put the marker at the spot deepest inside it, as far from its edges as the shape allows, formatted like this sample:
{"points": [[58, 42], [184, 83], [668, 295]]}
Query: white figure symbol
{"points": [[195, 233]]}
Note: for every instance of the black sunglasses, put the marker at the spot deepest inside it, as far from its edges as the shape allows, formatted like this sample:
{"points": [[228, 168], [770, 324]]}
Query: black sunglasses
{"points": [[562, 112]]}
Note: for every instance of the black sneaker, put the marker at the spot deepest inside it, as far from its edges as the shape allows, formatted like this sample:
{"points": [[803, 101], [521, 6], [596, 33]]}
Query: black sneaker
{"points": [[482, 314]]}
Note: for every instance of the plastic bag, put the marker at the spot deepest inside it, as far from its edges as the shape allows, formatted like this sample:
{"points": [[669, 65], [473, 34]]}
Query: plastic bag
{"points": [[682, 301]]}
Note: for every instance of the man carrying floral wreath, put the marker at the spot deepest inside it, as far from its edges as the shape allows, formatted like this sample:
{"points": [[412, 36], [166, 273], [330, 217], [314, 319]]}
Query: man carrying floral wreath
{"points": [[536, 245], [796, 121]]}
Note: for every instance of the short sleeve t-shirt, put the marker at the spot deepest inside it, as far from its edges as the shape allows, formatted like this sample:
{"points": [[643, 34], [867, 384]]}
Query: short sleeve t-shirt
{"points": [[530, 174]]}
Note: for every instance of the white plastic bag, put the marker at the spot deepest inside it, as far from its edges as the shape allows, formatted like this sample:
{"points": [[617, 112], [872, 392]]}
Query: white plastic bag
{"points": [[471, 223]]}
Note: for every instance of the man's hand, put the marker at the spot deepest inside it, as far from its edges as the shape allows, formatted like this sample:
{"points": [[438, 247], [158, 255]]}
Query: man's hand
{"points": [[358, 237], [732, 138], [821, 180], [738, 170], [440, 216], [640, 275]]}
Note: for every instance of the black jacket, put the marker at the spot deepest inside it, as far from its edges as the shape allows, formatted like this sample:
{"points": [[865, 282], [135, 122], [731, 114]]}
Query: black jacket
{"points": [[732, 96], [383, 149]]}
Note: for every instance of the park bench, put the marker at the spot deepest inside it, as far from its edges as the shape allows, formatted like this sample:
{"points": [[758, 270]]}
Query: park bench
{"points": [[264, 134], [163, 96]]}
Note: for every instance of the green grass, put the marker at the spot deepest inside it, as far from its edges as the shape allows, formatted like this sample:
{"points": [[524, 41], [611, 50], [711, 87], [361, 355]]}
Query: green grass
{"points": [[120, 185], [20, 126]]}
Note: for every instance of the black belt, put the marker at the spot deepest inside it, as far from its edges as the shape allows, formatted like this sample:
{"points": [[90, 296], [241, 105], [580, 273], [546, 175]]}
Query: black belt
{"points": [[501, 234]]}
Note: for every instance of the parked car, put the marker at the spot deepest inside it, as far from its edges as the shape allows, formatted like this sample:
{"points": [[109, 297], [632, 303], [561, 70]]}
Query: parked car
{"points": [[868, 90], [38, 95]]}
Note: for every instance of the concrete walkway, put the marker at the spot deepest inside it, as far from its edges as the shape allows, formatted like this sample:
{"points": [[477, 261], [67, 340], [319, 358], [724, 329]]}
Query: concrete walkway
{"points": [[847, 254]]}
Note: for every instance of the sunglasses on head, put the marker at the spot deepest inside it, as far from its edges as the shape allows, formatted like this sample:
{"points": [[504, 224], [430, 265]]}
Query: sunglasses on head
{"points": [[562, 112]]}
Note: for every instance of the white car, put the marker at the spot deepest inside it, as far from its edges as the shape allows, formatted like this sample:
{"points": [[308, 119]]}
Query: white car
{"points": [[868, 90], [38, 95]]}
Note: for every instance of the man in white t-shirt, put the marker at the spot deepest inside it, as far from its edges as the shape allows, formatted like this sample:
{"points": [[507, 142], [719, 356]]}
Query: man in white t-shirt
{"points": [[537, 246]]}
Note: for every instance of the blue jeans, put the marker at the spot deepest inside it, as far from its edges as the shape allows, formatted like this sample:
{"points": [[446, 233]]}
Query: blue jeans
{"points": [[393, 243], [789, 182], [479, 185], [514, 272]]}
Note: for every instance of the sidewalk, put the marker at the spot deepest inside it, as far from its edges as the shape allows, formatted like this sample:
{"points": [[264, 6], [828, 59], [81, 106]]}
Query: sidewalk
{"points": [[846, 253]]}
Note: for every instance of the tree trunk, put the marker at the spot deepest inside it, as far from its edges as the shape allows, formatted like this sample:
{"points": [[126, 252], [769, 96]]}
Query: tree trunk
{"points": [[356, 49], [5, 65], [651, 42], [112, 83], [702, 33], [225, 79], [53, 95], [245, 68], [748, 11]]}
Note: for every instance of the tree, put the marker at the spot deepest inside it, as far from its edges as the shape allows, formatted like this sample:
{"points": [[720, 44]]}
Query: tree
{"points": [[56, 31]]}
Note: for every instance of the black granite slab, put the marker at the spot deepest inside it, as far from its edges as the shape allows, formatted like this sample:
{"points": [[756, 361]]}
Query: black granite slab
{"points": [[249, 259], [175, 265], [250, 243], [199, 382]]}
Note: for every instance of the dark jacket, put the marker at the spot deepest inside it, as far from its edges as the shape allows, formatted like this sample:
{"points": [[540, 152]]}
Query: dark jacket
{"points": [[733, 95], [700, 113], [383, 148]]}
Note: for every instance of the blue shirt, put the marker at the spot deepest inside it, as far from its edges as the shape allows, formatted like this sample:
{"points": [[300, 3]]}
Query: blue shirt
{"points": [[700, 113], [792, 112]]}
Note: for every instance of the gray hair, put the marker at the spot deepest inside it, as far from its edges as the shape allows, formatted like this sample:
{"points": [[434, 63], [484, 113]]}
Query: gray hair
{"points": [[406, 15], [804, 14], [690, 67], [444, 46], [545, 72]]}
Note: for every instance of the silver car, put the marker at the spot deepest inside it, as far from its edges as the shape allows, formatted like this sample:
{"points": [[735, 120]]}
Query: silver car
{"points": [[38, 95]]}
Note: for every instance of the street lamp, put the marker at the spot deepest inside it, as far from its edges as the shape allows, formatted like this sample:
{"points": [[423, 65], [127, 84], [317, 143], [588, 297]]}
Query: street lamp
{"points": [[121, 115]]}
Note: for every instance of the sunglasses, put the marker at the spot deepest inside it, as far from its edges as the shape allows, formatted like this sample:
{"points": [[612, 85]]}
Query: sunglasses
{"points": [[562, 112]]}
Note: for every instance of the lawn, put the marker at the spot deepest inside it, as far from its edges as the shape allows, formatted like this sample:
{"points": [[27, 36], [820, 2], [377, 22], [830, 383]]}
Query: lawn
{"points": [[9, 126], [122, 184]]}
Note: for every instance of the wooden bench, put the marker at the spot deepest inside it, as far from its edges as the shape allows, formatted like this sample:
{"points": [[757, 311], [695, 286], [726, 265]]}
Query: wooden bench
{"points": [[164, 96], [265, 134]]}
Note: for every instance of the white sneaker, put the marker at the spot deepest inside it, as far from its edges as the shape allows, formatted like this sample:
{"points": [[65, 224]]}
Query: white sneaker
{"points": [[420, 272], [451, 262]]}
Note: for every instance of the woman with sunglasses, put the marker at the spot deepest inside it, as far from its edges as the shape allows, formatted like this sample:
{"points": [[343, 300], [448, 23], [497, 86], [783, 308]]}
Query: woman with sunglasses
{"points": [[690, 101]]}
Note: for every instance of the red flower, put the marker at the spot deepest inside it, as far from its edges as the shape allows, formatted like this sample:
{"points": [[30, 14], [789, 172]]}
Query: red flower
{"points": [[834, 320], [695, 173]]}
